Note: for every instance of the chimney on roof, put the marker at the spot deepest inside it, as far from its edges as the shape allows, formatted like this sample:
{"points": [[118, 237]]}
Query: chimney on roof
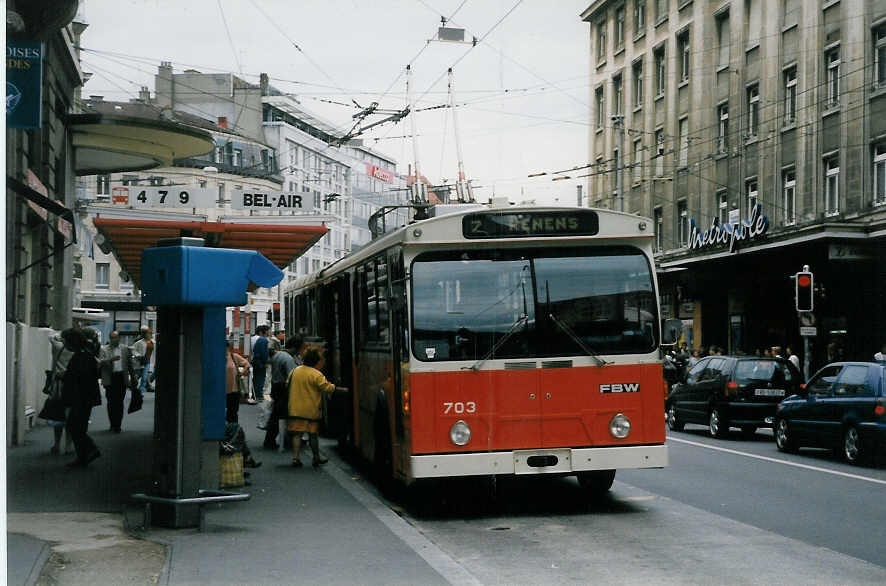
{"points": [[144, 94], [264, 83], [223, 121]]}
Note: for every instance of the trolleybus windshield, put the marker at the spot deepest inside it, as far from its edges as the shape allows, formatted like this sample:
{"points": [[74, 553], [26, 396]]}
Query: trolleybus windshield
{"points": [[486, 304]]}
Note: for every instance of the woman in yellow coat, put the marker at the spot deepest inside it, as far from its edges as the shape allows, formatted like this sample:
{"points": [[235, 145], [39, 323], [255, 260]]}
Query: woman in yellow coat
{"points": [[306, 386]]}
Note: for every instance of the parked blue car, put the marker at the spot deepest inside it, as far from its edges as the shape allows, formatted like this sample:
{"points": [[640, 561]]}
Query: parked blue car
{"points": [[842, 407]]}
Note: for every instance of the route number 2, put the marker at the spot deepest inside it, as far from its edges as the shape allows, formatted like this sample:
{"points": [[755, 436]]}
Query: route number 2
{"points": [[459, 407]]}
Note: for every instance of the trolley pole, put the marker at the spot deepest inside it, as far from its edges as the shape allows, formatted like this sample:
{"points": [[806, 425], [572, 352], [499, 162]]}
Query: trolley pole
{"points": [[462, 187], [417, 186], [619, 140]]}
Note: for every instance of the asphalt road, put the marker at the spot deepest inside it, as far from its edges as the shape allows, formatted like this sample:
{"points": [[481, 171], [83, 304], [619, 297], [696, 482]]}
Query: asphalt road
{"points": [[725, 511], [811, 496]]}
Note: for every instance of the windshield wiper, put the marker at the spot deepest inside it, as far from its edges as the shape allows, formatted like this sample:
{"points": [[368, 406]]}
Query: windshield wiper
{"points": [[587, 349], [520, 320]]}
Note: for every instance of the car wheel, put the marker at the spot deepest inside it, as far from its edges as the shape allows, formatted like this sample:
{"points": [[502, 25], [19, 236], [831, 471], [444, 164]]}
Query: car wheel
{"points": [[674, 424], [597, 482], [852, 449], [717, 425], [783, 439]]}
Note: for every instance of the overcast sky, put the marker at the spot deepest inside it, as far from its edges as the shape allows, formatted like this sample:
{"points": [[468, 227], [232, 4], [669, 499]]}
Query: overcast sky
{"points": [[524, 86]]}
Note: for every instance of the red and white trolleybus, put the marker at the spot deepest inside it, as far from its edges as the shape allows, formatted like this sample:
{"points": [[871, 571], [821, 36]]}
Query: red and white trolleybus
{"points": [[495, 341]]}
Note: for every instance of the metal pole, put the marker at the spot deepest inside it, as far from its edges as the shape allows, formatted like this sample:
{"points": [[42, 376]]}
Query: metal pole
{"points": [[417, 192], [806, 357], [578, 195], [462, 188], [619, 139]]}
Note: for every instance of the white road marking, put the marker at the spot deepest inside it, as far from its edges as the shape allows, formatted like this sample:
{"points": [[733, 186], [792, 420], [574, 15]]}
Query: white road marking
{"points": [[777, 461]]}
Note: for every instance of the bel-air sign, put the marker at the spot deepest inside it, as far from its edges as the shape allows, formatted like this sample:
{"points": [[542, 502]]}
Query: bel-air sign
{"points": [[731, 234]]}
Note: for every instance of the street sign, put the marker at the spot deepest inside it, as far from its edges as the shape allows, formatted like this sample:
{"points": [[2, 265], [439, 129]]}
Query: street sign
{"points": [[809, 331], [164, 196], [24, 84], [243, 199], [806, 318]]}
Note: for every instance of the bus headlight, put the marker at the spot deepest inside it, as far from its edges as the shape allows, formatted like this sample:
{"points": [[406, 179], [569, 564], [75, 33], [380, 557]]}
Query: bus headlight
{"points": [[460, 433], [620, 426]]}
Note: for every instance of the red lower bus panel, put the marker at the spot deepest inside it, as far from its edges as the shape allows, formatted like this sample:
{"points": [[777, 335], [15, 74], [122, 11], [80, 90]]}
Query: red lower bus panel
{"points": [[536, 408]]}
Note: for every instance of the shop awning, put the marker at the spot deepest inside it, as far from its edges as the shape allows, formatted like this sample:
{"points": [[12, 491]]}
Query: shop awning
{"points": [[281, 239], [114, 143]]}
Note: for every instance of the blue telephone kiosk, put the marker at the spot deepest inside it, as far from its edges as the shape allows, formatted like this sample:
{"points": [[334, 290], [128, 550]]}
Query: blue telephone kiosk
{"points": [[191, 286]]}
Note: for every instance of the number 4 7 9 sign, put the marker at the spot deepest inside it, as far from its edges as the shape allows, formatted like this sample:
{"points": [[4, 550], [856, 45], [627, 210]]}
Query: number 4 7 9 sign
{"points": [[165, 196]]}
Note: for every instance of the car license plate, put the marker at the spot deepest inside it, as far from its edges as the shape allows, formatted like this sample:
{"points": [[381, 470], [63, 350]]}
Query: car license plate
{"points": [[769, 392]]}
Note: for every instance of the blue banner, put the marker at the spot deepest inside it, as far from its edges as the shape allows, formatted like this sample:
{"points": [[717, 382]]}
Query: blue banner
{"points": [[24, 84]]}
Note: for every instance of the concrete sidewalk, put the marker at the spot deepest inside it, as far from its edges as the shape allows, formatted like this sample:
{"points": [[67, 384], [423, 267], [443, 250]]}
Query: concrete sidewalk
{"points": [[301, 525]]}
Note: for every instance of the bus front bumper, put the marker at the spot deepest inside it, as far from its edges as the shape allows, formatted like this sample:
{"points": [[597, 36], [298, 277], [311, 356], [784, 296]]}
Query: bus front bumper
{"points": [[540, 461]]}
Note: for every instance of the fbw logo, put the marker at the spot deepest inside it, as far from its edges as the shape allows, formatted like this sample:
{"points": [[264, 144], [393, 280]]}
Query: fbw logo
{"points": [[620, 388]]}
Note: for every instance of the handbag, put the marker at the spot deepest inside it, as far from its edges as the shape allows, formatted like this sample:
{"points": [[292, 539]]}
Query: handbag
{"points": [[53, 409], [135, 402], [230, 470], [266, 409]]}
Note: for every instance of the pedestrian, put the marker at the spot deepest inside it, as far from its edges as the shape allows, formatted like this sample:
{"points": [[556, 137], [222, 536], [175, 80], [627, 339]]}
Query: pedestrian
{"points": [[62, 348], [142, 351], [117, 375], [278, 340], [767, 353], [260, 358], [793, 357], [696, 356], [235, 367], [306, 386], [81, 393], [283, 361], [776, 352]]}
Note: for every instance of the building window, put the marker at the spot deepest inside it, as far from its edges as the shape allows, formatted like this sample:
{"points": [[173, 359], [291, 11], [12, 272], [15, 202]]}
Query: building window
{"points": [[661, 10], [638, 84], [722, 202], [238, 158], [683, 222], [102, 275], [221, 193], [753, 110], [683, 157], [832, 62], [601, 105], [156, 181], [880, 56], [723, 128], [292, 153], [130, 180], [601, 40], [601, 174], [880, 174], [219, 154], [752, 22], [724, 40], [659, 152], [619, 27], [790, 95], [660, 72], [832, 185], [789, 181], [659, 229], [639, 16], [103, 185], [636, 160], [617, 92], [750, 189], [684, 51]]}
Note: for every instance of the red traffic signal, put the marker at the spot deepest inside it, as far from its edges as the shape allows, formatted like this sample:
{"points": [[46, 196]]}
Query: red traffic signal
{"points": [[804, 297]]}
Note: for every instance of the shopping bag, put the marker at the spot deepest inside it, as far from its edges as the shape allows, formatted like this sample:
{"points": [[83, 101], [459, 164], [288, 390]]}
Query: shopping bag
{"points": [[135, 401], [230, 470], [266, 408], [53, 409]]}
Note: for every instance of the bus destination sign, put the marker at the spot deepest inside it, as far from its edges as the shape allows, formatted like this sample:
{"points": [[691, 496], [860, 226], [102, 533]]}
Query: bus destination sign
{"points": [[529, 224]]}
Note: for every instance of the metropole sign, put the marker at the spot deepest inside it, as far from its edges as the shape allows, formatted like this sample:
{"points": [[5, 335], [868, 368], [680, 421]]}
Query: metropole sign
{"points": [[732, 234]]}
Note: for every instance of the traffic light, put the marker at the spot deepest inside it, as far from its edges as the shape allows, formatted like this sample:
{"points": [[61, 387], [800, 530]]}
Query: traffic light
{"points": [[804, 298], [276, 312]]}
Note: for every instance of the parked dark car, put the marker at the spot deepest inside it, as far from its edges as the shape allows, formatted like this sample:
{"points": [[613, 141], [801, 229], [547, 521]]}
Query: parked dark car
{"points": [[732, 391], [842, 407]]}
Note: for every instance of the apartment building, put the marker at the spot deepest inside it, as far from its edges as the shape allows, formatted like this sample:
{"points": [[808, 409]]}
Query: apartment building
{"points": [[762, 114]]}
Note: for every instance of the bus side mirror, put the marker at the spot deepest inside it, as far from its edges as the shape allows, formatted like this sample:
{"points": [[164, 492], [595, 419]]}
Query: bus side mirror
{"points": [[671, 330]]}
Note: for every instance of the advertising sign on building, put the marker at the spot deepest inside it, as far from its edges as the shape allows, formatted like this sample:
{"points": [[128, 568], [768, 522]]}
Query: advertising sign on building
{"points": [[164, 196], [242, 199], [379, 173], [732, 234], [24, 84]]}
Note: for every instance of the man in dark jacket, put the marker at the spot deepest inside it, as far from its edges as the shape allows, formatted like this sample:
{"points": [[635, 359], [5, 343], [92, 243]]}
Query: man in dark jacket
{"points": [[80, 392], [260, 359]]}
